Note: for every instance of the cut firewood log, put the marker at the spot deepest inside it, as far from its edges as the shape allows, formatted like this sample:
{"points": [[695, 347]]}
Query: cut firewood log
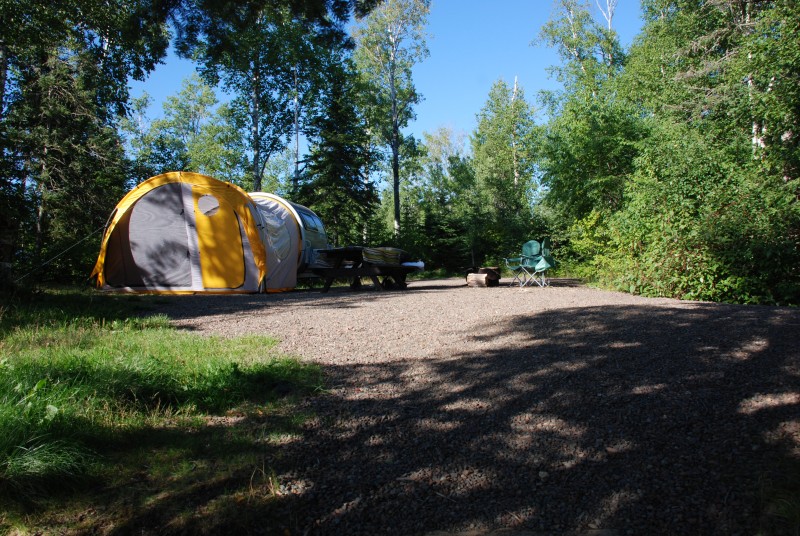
{"points": [[476, 280]]}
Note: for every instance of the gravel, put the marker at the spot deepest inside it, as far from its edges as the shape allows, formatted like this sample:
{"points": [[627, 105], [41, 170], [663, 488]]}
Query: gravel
{"points": [[547, 410]]}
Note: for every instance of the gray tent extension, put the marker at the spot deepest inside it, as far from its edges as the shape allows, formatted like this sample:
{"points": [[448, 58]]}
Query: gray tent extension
{"points": [[293, 234]]}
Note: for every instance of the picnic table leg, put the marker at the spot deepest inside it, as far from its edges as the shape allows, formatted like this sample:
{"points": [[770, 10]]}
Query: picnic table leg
{"points": [[328, 283], [400, 281], [329, 280]]}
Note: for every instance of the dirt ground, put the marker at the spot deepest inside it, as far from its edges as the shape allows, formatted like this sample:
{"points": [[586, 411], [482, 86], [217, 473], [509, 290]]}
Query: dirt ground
{"points": [[549, 410]]}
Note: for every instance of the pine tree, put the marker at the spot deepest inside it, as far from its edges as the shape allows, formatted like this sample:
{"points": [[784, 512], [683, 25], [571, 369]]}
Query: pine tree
{"points": [[336, 181]]}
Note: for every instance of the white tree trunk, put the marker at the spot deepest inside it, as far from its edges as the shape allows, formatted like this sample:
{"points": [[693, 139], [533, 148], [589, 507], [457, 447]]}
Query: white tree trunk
{"points": [[255, 117]]}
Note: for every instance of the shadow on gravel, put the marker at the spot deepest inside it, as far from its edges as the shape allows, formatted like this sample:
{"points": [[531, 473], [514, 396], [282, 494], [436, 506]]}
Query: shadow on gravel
{"points": [[565, 282], [643, 419], [337, 298]]}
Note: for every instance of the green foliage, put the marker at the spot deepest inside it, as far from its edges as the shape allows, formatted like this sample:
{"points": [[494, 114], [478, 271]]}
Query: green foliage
{"points": [[194, 134], [503, 157], [698, 228], [389, 43], [64, 71], [587, 155], [435, 220], [675, 170], [771, 66], [591, 54], [336, 181], [584, 245], [467, 210], [67, 154], [269, 57]]}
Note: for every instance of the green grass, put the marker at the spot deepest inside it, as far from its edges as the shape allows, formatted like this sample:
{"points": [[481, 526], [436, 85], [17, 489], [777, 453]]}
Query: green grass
{"points": [[90, 388]]}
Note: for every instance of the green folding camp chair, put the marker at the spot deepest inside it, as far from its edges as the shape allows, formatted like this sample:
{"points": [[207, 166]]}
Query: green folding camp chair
{"points": [[524, 266], [544, 263]]}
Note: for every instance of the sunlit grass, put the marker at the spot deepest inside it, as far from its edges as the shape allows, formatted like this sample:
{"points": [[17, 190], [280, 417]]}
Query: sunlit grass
{"points": [[89, 390]]}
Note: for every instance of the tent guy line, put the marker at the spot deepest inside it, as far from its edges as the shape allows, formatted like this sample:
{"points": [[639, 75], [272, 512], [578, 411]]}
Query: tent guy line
{"points": [[51, 259]]}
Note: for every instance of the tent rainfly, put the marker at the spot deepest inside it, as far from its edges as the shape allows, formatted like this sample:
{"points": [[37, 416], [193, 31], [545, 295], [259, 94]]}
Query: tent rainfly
{"points": [[184, 232]]}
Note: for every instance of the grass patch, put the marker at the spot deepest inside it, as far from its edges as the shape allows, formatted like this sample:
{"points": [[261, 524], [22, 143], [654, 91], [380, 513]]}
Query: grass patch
{"points": [[93, 395]]}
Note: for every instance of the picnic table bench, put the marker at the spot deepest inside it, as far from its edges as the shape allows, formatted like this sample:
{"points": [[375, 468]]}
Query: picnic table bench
{"points": [[355, 262]]}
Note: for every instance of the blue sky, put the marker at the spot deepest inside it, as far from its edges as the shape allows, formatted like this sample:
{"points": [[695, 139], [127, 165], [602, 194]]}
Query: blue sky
{"points": [[472, 44]]}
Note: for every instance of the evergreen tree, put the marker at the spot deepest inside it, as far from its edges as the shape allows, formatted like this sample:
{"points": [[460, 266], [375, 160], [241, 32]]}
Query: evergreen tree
{"points": [[64, 69], [70, 162], [336, 180]]}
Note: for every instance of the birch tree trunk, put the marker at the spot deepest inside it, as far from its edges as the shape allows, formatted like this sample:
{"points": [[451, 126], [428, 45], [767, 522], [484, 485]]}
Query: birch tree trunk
{"points": [[395, 136], [514, 155], [255, 118], [389, 44]]}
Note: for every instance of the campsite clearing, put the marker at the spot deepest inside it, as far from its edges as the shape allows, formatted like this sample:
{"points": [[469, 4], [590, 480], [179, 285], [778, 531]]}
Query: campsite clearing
{"points": [[559, 408], [445, 408]]}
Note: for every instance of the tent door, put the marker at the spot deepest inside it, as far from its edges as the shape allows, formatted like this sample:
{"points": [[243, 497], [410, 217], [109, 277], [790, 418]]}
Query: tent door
{"points": [[220, 243]]}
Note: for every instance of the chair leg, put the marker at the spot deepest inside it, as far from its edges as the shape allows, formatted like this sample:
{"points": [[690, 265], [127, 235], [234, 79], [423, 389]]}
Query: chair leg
{"points": [[527, 278]]}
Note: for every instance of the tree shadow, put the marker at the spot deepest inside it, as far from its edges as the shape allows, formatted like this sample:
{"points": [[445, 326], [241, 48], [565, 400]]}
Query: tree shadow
{"points": [[642, 419], [634, 418], [337, 298], [565, 282]]}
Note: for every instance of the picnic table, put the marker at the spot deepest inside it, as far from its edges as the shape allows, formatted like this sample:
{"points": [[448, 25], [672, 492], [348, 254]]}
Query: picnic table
{"points": [[355, 262]]}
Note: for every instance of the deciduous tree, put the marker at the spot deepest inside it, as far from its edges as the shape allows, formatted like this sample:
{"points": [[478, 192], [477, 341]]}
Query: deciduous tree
{"points": [[391, 40], [503, 149], [194, 134]]}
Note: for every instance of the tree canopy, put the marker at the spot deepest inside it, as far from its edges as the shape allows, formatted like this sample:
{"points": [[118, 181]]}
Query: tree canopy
{"points": [[668, 168]]}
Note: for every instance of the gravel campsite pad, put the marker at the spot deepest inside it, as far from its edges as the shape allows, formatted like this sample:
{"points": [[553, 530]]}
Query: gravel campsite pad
{"points": [[546, 410]]}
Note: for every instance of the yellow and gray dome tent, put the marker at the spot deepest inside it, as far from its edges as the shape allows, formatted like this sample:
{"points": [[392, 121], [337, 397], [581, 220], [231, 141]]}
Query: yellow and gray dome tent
{"points": [[183, 232]]}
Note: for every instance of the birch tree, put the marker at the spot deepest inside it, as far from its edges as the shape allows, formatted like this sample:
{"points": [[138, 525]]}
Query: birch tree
{"points": [[254, 56], [194, 134], [590, 53], [267, 54], [390, 42], [503, 147]]}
